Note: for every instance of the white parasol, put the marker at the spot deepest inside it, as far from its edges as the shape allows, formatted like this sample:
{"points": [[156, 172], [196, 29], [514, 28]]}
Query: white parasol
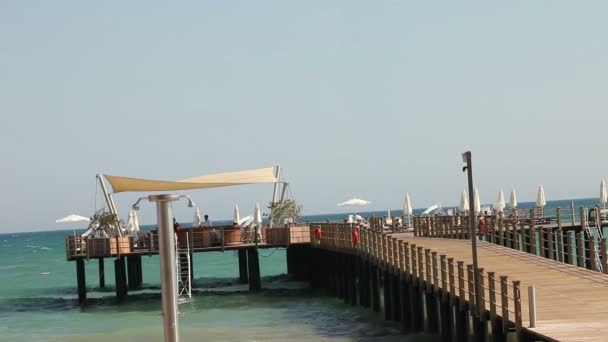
{"points": [[237, 216], [464, 202], [513, 200], [197, 218], [476, 201], [354, 201], [133, 223], [500, 205], [540, 197], [73, 218], [407, 208]]}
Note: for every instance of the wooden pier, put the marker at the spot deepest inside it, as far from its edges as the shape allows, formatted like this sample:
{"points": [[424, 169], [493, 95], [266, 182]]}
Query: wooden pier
{"points": [[542, 279], [434, 275], [127, 252]]}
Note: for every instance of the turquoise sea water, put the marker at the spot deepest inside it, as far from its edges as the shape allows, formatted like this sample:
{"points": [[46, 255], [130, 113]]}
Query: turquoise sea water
{"points": [[38, 300]]}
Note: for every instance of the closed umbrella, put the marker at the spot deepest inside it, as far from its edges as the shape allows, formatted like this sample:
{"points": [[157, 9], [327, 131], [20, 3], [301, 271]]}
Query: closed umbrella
{"points": [[133, 223], [464, 202], [197, 218], [540, 197], [513, 200], [73, 218], [499, 206], [237, 216], [257, 222], [540, 200], [476, 201], [407, 208]]}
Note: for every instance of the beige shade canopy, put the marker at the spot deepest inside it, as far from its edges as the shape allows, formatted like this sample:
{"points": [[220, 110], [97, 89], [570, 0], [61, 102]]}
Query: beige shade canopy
{"points": [[124, 184]]}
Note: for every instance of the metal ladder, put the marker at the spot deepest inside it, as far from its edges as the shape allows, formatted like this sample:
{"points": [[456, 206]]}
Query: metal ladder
{"points": [[598, 232], [183, 270]]}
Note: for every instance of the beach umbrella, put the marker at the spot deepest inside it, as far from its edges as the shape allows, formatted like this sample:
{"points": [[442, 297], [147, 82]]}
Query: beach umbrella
{"points": [[464, 202], [132, 223], [476, 201], [603, 194], [237, 216], [354, 202], [513, 200], [540, 197], [73, 218], [407, 206], [499, 206], [197, 218], [388, 213]]}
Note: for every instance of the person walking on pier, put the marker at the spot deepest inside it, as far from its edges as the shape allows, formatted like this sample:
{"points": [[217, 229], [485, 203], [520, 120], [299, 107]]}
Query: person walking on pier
{"points": [[355, 236], [318, 234]]}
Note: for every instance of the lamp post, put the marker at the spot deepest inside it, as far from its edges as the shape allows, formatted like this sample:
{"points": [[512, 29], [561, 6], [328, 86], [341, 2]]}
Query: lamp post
{"points": [[466, 157], [166, 251]]}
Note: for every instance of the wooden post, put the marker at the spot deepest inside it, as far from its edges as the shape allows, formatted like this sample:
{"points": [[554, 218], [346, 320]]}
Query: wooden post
{"points": [[603, 256], [461, 280], [501, 237], [504, 303], [81, 280], [482, 295], [552, 254], [451, 283], [517, 304], [560, 237], [570, 249], [491, 290], [580, 253], [591, 249]]}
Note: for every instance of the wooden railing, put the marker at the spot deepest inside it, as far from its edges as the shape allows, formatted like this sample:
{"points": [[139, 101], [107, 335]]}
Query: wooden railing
{"points": [[199, 239], [555, 240], [501, 298]]}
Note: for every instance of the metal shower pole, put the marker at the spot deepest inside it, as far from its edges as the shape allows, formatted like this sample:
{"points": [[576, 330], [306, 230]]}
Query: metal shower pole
{"points": [[466, 157]]}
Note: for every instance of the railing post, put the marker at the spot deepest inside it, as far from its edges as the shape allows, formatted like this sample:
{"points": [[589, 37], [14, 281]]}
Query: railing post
{"points": [[603, 255], [579, 250], [592, 259], [461, 293], [532, 305], [560, 236], [504, 298], [427, 257], [517, 304], [451, 279], [435, 271], [491, 290], [444, 274], [482, 295]]}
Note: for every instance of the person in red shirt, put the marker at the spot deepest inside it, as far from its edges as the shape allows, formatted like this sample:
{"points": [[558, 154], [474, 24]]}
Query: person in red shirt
{"points": [[482, 225], [318, 234], [355, 236]]}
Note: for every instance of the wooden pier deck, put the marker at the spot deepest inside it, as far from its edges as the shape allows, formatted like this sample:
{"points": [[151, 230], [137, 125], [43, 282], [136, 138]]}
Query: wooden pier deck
{"points": [[568, 298]]}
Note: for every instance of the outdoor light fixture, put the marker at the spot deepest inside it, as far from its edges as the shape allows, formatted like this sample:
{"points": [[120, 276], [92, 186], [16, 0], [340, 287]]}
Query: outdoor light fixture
{"points": [[466, 158], [135, 205]]}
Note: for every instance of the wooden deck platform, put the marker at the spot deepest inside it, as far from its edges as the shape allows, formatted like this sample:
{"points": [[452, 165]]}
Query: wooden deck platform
{"points": [[570, 300]]}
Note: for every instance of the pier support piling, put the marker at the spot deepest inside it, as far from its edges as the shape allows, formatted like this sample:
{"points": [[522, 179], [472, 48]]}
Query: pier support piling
{"points": [[80, 277], [243, 274], [255, 281], [120, 276], [102, 273]]}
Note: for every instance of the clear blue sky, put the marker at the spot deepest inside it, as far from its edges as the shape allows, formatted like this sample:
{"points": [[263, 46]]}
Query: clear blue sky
{"points": [[373, 98]]}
